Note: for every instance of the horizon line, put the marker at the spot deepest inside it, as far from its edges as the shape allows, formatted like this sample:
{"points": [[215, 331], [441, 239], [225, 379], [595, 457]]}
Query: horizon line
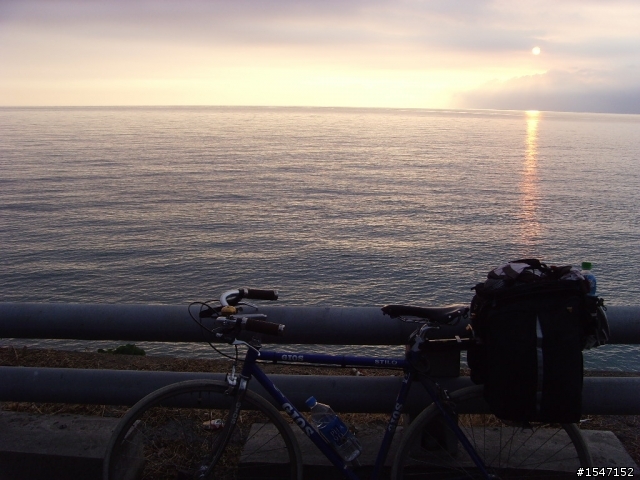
{"points": [[341, 107]]}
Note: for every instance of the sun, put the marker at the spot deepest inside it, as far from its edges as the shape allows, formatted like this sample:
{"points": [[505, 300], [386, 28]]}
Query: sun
{"points": [[535, 50]]}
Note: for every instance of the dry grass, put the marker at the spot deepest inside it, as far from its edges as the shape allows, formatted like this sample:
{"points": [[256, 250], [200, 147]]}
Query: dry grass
{"points": [[626, 427]]}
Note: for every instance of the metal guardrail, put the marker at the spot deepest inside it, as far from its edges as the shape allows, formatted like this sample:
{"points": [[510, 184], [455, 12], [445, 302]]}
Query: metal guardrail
{"points": [[171, 323], [304, 325], [601, 396]]}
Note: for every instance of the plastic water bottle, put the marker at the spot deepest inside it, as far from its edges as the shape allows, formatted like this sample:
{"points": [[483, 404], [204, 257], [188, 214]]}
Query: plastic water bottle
{"points": [[590, 277], [334, 430]]}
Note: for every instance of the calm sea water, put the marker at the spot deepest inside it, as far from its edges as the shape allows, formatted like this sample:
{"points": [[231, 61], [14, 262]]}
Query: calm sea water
{"points": [[330, 206]]}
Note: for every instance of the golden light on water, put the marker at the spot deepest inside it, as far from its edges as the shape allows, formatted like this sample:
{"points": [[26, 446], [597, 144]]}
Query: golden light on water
{"points": [[530, 194], [531, 141]]}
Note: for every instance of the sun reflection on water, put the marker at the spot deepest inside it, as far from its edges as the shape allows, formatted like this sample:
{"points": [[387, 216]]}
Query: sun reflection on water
{"points": [[531, 228]]}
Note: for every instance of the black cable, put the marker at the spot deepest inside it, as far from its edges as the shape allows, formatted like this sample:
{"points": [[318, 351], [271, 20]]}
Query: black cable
{"points": [[204, 305]]}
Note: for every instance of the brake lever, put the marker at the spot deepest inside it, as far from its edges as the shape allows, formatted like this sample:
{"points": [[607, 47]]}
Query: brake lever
{"points": [[247, 304], [231, 378]]}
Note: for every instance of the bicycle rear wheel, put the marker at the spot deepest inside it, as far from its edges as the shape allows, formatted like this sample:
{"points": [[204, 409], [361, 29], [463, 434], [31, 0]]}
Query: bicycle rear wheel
{"points": [[430, 450], [185, 431]]}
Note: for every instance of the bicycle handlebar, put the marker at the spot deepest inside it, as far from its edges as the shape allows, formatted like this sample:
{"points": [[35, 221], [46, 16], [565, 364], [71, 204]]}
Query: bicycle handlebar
{"points": [[260, 294], [228, 318], [251, 322], [260, 326], [232, 297]]}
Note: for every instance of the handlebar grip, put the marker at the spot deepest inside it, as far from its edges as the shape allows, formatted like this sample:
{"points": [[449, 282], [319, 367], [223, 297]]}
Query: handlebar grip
{"points": [[259, 294], [260, 326]]}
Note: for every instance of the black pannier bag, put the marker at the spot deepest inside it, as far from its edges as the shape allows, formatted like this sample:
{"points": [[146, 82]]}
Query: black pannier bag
{"points": [[531, 323]]}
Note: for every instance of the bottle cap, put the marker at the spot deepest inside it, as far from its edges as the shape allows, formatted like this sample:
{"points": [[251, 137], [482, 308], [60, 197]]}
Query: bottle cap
{"points": [[311, 402], [586, 265]]}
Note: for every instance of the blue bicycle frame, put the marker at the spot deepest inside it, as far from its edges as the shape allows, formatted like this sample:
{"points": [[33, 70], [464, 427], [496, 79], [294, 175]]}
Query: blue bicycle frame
{"points": [[251, 369]]}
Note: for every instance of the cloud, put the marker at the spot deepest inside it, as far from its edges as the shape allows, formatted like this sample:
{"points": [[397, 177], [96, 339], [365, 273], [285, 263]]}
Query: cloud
{"points": [[274, 22], [449, 46], [616, 91], [465, 26], [280, 19]]}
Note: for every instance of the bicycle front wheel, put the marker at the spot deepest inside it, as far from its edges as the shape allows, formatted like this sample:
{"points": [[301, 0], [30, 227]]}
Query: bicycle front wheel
{"points": [[189, 431], [430, 450]]}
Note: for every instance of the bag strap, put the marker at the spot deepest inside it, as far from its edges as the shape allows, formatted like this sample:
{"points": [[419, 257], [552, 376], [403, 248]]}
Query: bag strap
{"points": [[534, 263]]}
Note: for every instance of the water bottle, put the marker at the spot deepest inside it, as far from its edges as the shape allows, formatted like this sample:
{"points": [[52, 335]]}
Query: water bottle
{"points": [[334, 430], [590, 277]]}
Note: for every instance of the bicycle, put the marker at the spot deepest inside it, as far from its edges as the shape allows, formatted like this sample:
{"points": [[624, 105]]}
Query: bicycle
{"points": [[208, 429]]}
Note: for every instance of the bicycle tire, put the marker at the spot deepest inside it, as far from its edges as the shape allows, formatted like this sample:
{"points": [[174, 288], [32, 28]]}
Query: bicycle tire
{"points": [[172, 433], [430, 450]]}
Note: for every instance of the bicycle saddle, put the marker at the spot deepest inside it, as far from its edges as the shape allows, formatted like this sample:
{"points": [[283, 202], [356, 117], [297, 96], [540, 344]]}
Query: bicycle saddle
{"points": [[432, 314]]}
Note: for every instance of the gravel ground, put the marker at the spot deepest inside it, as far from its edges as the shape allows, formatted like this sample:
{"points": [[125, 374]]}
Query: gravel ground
{"points": [[625, 427]]}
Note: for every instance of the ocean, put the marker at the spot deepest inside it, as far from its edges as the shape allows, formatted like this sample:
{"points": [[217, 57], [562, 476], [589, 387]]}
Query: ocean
{"points": [[331, 206]]}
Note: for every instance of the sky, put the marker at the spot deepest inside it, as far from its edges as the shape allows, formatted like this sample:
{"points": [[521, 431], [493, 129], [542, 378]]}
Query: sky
{"points": [[441, 54]]}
